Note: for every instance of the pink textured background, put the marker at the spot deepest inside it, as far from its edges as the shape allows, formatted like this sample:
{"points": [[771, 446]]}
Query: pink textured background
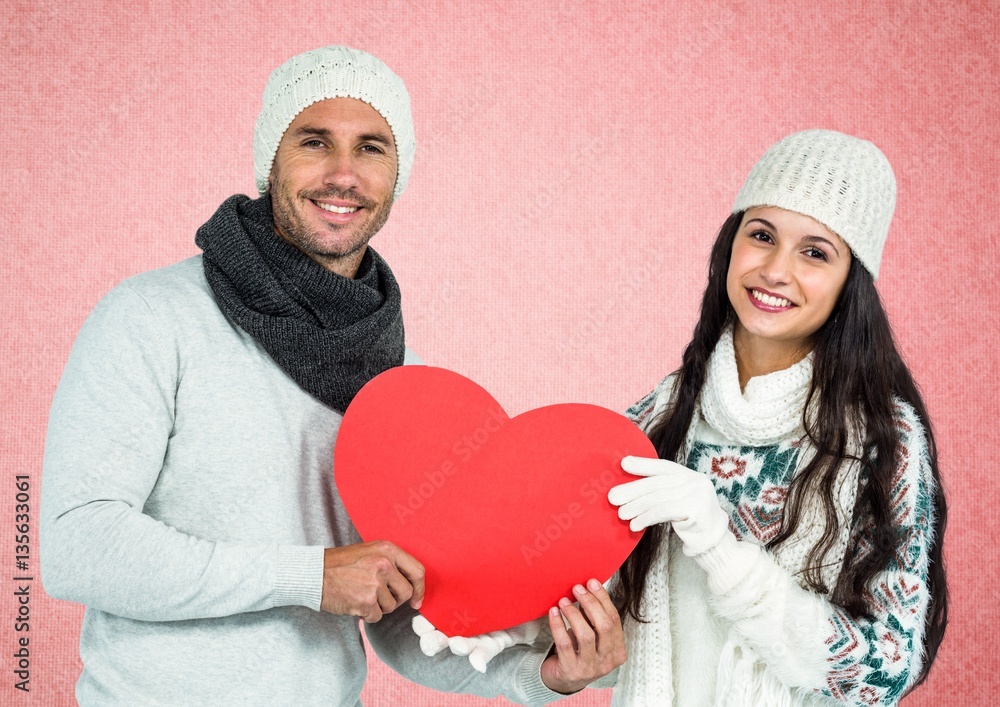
{"points": [[574, 162]]}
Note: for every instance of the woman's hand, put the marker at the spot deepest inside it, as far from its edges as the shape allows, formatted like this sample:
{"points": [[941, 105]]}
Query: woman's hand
{"points": [[671, 493], [592, 646]]}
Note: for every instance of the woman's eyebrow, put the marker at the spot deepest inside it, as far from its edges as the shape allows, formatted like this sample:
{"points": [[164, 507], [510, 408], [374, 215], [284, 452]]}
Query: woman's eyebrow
{"points": [[807, 239]]}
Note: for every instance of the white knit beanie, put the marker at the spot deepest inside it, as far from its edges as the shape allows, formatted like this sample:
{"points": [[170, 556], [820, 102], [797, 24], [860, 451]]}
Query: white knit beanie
{"points": [[843, 182], [332, 72]]}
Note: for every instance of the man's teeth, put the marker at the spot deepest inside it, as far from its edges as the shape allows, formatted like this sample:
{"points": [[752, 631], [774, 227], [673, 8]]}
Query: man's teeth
{"points": [[769, 300], [337, 209]]}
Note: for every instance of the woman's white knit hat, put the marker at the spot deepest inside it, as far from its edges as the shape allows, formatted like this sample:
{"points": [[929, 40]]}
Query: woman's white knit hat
{"points": [[332, 72], [843, 182]]}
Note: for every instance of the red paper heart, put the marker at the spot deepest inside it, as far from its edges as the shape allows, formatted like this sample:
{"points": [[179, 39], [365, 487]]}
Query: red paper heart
{"points": [[505, 514]]}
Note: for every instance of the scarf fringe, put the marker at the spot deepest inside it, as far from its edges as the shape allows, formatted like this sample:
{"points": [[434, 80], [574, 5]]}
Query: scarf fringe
{"points": [[743, 680]]}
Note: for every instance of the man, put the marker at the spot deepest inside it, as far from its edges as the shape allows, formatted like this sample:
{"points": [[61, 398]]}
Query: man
{"points": [[187, 493]]}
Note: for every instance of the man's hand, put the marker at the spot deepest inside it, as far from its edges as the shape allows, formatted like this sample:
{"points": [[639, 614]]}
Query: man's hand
{"points": [[370, 579], [593, 646]]}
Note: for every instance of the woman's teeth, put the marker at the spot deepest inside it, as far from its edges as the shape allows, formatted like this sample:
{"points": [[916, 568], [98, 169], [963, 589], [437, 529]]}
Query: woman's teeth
{"points": [[769, 300]]}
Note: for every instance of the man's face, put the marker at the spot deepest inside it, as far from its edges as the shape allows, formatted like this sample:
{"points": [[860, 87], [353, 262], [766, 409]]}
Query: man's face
{"points": [[332, 181]]}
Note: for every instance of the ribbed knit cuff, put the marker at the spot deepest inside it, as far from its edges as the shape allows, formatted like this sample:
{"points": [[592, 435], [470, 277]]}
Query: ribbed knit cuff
{"points": [[728, 563], [529, 676], [299, 580]]}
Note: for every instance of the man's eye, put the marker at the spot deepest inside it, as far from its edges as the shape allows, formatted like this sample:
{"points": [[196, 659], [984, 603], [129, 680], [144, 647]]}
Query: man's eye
{"points": [[372, 149], [313, 143]]}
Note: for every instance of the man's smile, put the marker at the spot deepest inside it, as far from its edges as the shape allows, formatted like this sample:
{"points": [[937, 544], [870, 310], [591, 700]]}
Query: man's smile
{"points": [[337, 209]]}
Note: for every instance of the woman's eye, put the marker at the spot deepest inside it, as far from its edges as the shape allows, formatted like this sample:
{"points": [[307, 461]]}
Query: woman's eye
{"points": [[762, 236], [816, 254]]}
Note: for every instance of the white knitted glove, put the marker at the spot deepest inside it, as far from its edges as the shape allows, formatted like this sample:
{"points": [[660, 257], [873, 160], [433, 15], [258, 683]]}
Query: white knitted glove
{"points": [[432, 641], [673, 494], [480, 649]]}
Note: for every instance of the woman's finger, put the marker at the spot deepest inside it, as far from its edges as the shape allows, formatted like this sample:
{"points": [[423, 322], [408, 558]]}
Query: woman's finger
{"points": [[582, 631], [560, 636], [598, 591], [646, 466]]}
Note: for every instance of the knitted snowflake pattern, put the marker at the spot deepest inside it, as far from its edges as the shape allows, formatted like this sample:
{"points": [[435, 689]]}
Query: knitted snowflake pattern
{"points": [[871, 659]]}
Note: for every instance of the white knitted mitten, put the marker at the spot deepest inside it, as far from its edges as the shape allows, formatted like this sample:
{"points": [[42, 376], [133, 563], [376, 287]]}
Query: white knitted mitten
{"points": [[673, 494]]}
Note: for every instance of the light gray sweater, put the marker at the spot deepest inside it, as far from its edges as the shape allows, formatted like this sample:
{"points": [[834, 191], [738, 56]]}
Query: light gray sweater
{"points": [[187, 498]]}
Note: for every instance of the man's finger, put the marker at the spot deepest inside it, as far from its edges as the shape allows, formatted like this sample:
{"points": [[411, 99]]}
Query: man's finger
{"points": [[386, 601], [400, 588], [373, 615], [410, 568]]}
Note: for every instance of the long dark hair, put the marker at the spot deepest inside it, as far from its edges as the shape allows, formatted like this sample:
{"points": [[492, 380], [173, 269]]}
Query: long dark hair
{"points": [[858, 375]]}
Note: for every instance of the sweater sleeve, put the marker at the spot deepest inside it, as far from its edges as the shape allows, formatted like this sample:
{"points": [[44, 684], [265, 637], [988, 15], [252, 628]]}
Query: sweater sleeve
{"points": [[515, 673], [108, 435], [812, 644]]}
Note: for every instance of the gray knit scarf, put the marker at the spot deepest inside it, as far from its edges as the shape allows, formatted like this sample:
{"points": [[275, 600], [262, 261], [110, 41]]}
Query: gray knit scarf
{"points": [[331, 334]]}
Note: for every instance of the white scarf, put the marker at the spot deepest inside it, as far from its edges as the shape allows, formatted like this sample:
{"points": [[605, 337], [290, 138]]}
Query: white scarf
{"points": [[769, 411]]}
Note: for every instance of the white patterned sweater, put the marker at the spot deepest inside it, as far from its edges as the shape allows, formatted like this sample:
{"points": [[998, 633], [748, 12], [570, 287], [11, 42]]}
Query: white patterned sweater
{"points": [[725, 630]]}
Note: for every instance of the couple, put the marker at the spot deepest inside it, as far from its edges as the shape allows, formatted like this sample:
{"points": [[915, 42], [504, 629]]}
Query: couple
{"points": [[795, 515]]}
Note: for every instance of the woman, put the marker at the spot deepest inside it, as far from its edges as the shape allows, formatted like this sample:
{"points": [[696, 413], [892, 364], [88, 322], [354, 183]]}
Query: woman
{"points": [[793, 556]]}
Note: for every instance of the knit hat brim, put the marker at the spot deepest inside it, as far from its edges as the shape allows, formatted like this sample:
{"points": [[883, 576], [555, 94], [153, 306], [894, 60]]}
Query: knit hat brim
{"points": [[332, 72], [843, 182]]}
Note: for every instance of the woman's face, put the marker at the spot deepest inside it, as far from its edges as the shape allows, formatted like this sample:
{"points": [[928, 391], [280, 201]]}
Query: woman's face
{"points": [[785, 275]]}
